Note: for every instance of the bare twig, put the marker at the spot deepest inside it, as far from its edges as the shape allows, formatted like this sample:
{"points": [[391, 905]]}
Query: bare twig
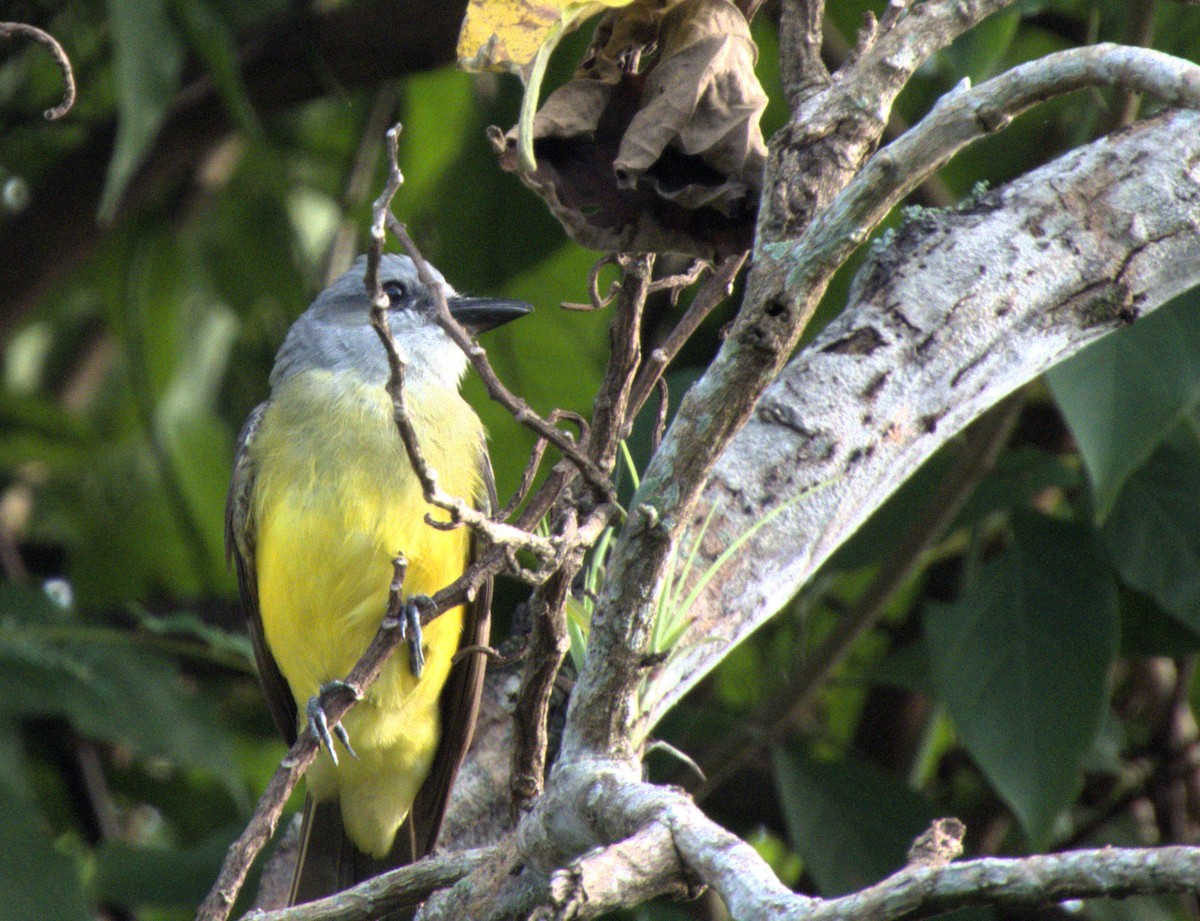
{"points": [[343, 246], [548, 645], [549, 640], [1139, 32], [611, 416], [677, 283], [527, 478], [715, 290], [535, 461], [48, 41], [492, 655], [597, 300], [660, 421]]}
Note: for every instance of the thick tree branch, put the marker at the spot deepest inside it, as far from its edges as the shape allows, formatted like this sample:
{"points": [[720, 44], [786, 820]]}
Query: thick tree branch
{"points": [[954, 311]]}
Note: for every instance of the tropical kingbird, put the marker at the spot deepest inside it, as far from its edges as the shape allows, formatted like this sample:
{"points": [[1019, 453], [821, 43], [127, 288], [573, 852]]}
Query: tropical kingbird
{"points": [[323, 499]]}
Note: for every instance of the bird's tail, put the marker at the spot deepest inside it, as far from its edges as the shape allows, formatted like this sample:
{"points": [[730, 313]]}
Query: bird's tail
{"points": [[329, 862]]}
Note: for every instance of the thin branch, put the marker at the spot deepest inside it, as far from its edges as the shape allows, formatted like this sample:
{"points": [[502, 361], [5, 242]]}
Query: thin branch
{"points": [[535, 461], [396, 889], [751, 890], [549, 641], [1138, 32], [48, 41], [660, 421], [611, 416], [677, 283], [527, 477], [1115, 873], [714, 291], [925, 347], [597, 301], [970, 113], [344, 245]]}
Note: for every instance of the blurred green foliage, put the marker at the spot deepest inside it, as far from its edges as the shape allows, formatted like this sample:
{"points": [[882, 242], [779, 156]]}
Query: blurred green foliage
{"points": [[1006, 684]]}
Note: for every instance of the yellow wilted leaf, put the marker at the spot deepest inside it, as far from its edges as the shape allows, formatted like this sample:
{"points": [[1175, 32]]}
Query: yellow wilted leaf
{"points": [[506, 35], [519, 36]]}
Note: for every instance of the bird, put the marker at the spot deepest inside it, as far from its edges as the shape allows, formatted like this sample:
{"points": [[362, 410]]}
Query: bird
{"points": [[322, 499]]}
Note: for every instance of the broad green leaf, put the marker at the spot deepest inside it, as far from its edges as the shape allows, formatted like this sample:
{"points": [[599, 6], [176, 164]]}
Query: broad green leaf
{"points": [[197, 444], [438, 103], [978, 53], [1021, 662], [126, 529], [176, 878], [33, 428], [851, 823], [1122, 395], [105, 684], [1153, 531], [1017, 476], [149, 60], [38, 881]]}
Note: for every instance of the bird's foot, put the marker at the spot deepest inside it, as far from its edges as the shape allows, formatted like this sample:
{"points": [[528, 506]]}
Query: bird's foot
{"points": [[410, 629], [318, 723]]}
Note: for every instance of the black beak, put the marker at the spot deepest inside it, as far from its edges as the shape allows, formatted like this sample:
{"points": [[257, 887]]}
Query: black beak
{"points": [[480, 314]]}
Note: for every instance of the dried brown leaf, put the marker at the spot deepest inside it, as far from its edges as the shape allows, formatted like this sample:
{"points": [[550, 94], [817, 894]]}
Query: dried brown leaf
{"points": [[665, 160]]}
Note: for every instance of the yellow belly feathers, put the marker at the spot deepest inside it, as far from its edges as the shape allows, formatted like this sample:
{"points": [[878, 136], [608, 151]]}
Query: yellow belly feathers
{"points": [[335, 499]]}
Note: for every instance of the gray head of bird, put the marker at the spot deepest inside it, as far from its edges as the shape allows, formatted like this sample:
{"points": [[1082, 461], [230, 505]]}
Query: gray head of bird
{"points": [[334, 333]]}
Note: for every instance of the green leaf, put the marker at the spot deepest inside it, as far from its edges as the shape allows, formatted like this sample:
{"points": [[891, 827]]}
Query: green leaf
{"points": [[212, 41], [38, 881], [148, 60], [1153, 531], [142, 876], [852, 824], [1021, 661], [104, 684], [979, 53], [523, 352], [1122, 395]]}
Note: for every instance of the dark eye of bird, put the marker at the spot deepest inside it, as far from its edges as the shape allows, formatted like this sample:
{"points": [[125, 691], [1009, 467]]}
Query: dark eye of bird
{"points": [[395, 291]]}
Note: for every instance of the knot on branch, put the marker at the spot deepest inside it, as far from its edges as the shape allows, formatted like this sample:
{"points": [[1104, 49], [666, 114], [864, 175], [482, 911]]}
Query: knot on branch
{"points": [[939, 844]]}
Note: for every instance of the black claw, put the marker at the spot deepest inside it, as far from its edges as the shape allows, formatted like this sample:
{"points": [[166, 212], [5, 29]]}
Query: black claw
{"points": [[318, 723], [410, 627]]}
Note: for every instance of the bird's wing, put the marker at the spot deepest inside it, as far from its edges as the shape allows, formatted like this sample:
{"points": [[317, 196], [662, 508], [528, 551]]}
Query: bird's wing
{"points": [[459, 705], [240, 535]]}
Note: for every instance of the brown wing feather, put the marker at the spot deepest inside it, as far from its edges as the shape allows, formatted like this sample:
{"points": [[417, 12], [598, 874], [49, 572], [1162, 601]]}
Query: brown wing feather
{"points": [[239, 550]]}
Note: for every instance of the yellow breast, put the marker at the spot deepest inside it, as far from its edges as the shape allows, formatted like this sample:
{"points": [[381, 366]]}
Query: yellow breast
{"points": [[335, 499]]}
